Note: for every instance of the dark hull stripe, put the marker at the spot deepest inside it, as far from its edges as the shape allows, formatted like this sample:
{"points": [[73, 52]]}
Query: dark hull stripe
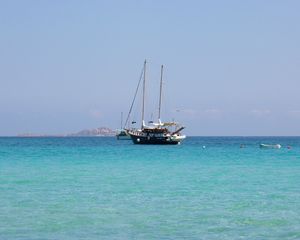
{"points": [[151, 140]]}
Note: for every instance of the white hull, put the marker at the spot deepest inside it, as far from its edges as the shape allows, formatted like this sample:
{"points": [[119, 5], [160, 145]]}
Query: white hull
{"points": [[177, 138], [274, 146]]}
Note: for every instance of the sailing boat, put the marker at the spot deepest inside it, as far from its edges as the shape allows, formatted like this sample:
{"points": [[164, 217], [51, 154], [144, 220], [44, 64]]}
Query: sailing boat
{"points": [[156, 133], [122, 132]]}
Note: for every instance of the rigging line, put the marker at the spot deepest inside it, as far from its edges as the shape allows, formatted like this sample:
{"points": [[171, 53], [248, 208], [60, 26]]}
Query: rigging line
{"points": [[135, 94]]}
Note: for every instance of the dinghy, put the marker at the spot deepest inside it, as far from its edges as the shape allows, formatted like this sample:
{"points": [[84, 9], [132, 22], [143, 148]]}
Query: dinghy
{"points": [[275, 146]]}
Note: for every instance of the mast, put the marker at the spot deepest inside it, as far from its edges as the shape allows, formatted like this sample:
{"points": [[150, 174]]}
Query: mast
{"points": [[144, 88], [160, 92], [121, 120]]}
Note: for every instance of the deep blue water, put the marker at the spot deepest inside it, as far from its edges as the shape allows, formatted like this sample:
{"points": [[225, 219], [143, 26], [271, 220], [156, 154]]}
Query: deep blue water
{"points": [[101, 188]]}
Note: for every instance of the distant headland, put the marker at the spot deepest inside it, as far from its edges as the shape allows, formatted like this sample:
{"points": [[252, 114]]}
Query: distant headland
{"points": [[95, 132]]}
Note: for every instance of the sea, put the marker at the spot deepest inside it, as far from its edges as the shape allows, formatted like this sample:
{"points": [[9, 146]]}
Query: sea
{"points": [[102, 188]]}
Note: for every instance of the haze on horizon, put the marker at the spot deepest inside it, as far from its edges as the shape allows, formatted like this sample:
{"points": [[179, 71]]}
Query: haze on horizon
{"points": [[231, 67]]}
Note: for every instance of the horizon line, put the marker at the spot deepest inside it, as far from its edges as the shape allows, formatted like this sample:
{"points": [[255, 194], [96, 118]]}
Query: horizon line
{"points": [[100, 136]]}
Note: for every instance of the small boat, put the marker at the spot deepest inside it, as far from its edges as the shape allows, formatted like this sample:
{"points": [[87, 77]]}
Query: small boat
{"points": [[156, 132], [274, 146], [122, 133]]}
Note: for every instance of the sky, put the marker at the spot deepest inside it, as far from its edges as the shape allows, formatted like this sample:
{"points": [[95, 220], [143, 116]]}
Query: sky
{"points": [[231, 67]]}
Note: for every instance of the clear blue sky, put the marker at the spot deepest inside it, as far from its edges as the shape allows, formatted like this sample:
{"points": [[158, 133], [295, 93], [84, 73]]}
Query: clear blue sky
{"points": [[231, 67]]}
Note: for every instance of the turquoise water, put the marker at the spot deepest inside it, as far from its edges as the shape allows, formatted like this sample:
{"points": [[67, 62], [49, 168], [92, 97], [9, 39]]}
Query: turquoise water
{"points": [[100, 188]]}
